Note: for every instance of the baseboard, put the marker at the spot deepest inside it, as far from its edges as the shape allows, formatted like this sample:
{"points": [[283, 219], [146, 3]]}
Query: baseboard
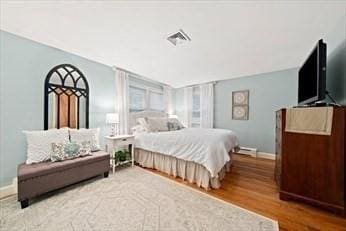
{"points": [[266, 155], [248, 151], [9, 189]]}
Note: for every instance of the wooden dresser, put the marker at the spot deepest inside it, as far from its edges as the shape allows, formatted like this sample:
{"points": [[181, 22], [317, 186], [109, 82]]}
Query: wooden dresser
{"points": [[311, 168]]}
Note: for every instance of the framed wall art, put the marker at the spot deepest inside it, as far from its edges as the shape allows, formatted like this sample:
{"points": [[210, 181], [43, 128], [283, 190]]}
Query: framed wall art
{"points": [[240, 105]]}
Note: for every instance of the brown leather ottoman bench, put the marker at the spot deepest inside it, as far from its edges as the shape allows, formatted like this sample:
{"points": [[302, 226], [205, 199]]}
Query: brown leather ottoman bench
{"points": [[36, 179]]}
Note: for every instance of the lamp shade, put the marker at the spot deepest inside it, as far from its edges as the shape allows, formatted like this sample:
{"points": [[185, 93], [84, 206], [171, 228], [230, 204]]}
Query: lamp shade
{"points": [[173, 116], [112, 118]]}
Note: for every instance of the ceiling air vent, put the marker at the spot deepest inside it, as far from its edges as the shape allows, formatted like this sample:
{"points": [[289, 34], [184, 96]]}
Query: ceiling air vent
{"points": [[179, 38]]}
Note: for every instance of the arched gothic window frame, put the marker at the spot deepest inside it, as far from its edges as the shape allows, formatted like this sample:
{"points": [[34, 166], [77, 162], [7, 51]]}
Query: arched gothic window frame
{"points": [[51, 87]]}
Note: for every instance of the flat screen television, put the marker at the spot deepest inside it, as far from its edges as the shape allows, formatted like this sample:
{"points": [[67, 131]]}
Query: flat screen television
{"points": [[312, 76]]}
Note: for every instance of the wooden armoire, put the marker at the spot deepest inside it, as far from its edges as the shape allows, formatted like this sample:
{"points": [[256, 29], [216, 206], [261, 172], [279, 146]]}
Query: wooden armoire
{"points": [[311, 168]]}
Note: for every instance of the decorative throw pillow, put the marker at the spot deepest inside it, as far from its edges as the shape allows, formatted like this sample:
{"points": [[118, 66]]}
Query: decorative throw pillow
{"points": [[65, 151], [71, 149], [39, 143], [175, 120], [174, 124], [58, 153], [158, 124], [84, 135], [85, 149]]}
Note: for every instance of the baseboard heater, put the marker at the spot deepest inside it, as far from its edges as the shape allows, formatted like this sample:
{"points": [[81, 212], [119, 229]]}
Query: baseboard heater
{"points": [[248, 151]]}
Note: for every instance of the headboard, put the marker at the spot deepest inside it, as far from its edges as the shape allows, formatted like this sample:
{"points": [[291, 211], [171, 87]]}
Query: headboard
{"points": [[135, 115]]}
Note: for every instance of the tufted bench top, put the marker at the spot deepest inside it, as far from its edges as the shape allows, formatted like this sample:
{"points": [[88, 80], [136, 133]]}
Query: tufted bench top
{"points": [[27, 171]]}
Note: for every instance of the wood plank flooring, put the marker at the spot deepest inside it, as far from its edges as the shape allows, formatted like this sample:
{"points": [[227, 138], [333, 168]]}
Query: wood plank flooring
{"points": [[251, 185]]}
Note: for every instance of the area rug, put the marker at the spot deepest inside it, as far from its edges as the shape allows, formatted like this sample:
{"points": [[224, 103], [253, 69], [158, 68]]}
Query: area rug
{"points": [[130, 199]]}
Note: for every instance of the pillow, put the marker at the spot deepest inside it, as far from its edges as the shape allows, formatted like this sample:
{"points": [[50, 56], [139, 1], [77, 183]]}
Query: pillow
{"points": [[177, 122], [39, 143], [64, 151], [86, 135], [158, 124], [172, 126], [85, 149], [71, 149], [139, 129], [143, 123]]}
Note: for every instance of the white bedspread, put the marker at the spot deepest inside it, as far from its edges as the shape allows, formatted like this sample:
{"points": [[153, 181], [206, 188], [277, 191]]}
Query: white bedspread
{"points": [[208, 147]]}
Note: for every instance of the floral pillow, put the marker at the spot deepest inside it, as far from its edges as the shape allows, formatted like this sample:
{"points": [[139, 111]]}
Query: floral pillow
{"points": [[85, 148], [58, 153], [64, 151]]}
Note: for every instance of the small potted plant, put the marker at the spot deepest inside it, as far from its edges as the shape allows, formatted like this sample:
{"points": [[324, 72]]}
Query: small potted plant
{"points": [[121, 155]]}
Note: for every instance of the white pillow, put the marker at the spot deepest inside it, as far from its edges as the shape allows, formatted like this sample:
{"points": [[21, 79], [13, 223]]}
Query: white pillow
{"points": [[139, 129], [84, 135], [40, 143], [143, 123], [158, 124]]}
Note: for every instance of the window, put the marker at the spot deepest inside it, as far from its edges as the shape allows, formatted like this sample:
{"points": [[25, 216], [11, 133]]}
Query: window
{"points": [[146, 98], [156, 101], [137, 99], [196, 113]]}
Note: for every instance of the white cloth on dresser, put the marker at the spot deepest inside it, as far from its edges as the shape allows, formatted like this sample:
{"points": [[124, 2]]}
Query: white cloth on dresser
{"points": [[312, 120]]}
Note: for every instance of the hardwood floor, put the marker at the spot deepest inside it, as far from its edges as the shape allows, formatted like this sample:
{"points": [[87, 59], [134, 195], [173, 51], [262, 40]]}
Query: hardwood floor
{"points": [[251, 185]]}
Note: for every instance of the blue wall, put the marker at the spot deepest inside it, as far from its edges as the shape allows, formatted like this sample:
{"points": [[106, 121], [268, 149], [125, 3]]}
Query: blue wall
{"points": [[268, 93], [24, 65]]}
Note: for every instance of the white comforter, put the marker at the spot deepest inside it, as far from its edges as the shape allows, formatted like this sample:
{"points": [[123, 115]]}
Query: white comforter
{"points": [[208, 147]]}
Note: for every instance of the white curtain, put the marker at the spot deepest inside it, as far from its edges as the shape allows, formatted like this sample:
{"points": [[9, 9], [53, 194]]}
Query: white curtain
{"points": [[207, 105], [167, 97], [122, 100], [188, 91]]}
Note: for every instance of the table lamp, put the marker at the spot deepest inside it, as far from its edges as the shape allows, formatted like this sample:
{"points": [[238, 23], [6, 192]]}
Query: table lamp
{"points": [[113, 120]]}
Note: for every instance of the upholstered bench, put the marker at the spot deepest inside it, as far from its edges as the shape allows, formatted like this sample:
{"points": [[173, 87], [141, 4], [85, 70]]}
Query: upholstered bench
{"points": [[36, 179]]}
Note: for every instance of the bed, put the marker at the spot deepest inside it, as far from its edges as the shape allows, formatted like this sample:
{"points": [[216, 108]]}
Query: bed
{"points": [[200, 156]]}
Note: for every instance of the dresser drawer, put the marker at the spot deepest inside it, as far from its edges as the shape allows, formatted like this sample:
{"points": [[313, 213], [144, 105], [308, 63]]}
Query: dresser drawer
{"points": [[123, 142]]}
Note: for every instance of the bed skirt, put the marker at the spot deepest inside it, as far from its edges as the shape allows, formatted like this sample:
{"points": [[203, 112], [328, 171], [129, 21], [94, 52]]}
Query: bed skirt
{"points": [[187, 170]]}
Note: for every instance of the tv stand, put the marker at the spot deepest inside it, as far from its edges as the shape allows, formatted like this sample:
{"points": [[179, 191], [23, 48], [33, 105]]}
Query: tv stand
{"points": [[318, 104], [321, 104]]}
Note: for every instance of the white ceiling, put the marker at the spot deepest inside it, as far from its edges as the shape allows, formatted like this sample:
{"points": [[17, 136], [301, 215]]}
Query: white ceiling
{"points": [[229, 39]]}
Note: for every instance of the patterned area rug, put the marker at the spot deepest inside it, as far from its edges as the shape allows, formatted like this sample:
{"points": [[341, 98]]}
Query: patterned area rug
{"points": [[130, 199]]}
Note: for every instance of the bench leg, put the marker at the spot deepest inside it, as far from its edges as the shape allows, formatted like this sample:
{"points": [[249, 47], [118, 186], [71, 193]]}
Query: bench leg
{"points": [[24, 203], [105, 174]]}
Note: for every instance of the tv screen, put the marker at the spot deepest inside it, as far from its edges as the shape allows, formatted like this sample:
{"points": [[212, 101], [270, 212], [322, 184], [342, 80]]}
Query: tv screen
{"points": [[308, 78], [312, 76]]}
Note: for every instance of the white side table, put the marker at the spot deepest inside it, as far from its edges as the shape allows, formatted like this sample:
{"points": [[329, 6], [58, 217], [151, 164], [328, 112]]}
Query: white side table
{"points": [[113, 143]]}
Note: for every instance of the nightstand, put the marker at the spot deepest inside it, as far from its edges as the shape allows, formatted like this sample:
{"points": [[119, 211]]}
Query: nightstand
{"points": [[114, 143]]}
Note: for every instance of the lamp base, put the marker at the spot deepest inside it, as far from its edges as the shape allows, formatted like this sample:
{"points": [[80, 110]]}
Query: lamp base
{"points": [[113, 130]]}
